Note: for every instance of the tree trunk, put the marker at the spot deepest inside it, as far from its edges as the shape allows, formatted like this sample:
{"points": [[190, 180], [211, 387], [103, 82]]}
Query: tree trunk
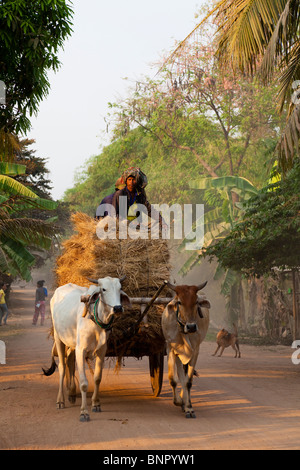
{"points": [[296, 309]]}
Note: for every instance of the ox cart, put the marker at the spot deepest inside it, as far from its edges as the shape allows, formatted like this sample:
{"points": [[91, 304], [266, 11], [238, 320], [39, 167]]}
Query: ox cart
{"points": [[146, 264], [135, 344]]}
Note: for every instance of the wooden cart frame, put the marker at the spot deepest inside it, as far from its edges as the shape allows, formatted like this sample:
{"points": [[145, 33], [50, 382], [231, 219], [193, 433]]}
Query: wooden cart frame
{"points": [[156, 360]]}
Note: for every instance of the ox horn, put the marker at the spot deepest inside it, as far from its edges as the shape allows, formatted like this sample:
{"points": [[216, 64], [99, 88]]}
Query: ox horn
{"points": [[94, 281], [122, 279], [201, 286], [171, 286]]}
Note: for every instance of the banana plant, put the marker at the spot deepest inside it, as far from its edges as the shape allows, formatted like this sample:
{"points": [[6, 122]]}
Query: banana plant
{"points": [[19, 233], [233, 192]]}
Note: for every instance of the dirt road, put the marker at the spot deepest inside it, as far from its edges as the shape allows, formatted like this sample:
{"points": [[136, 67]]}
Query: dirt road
{"points": [[247, 403]]}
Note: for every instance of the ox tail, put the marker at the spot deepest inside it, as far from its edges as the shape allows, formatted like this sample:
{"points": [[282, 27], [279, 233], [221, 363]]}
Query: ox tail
{"points": [[51, 369], [53, 366]]}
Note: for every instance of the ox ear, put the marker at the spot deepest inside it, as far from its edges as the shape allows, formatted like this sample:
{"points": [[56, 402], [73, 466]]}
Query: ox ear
{"points": [[90, 298], [203, 302], [85, 298], [171, 306], [125, 300]]}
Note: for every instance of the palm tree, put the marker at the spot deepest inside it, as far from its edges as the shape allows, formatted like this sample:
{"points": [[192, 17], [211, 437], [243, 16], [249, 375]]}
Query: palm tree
{"points": [[18, 233], [263, 36]]}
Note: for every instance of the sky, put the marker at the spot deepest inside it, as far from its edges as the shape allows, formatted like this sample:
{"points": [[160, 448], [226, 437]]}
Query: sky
{"points": [[111, 40]]}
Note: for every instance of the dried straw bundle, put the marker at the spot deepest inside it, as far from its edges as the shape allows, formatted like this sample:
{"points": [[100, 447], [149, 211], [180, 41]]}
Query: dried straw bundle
{"points": [[146, 264]]}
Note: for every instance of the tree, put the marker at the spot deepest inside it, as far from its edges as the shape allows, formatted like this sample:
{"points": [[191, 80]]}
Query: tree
{"points": [[36, 174], [220, 119], [31, 34], [222, 218], [18, 233], [263, 36], [269, 235]]}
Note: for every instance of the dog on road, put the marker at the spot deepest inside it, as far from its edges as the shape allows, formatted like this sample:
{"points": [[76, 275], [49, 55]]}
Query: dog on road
{"points": [[226, 339]]}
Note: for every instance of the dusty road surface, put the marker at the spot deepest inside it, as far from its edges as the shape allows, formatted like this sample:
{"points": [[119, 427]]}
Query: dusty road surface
{"points": [[247, 403]]}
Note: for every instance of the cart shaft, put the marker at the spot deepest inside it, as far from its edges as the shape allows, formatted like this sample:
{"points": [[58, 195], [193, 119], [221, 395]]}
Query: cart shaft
{"points": [[146, 300]]}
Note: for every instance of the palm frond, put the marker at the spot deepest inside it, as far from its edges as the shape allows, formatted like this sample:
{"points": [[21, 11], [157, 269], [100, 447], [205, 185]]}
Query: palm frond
{"points": [[4, 264], [289, 142], [28, 231], [245, 29], [274, 48], [18, 204], [289, 75], [20, 260]]}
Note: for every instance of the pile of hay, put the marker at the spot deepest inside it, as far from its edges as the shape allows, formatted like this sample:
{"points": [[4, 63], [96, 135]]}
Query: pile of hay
{"points": [[146, 264]]}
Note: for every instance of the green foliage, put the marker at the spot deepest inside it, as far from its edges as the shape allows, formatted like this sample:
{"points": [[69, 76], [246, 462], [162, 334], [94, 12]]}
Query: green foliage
{"points": [[97, 178], [19, 233], [263, 36], [31, 34], [36, 172], [269, 235], [232, 192], [193, 121]]}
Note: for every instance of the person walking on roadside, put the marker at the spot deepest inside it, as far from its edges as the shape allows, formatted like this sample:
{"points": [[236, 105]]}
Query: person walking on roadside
{"points": [[3, 307], [40, 303]]}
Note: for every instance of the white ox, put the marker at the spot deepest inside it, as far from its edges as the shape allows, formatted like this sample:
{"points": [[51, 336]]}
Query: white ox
{"points": [[185, 322], [82, 319]]}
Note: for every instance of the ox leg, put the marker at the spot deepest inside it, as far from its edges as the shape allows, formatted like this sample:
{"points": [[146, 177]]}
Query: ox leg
{"points": [[186, 380], [60, 401], [80, 359], [70, 375], [96, 408], [173, 377]]}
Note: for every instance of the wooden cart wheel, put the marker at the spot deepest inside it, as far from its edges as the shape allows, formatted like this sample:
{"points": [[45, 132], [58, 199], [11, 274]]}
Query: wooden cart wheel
{"points": [[156, 365]]}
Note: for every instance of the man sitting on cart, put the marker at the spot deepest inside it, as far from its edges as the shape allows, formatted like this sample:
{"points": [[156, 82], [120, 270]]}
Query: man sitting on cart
{"points": [[135, 181], [108, 200]]}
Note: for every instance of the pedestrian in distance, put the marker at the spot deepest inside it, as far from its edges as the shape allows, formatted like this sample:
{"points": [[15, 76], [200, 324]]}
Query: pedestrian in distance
{"points": [[40, 303], [3, 306]]}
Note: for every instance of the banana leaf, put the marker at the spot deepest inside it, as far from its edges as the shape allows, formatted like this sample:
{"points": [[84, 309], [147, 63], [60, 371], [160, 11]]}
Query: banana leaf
{"points": [[10, 186], [20, 260], [12, 169], [222, 182]]}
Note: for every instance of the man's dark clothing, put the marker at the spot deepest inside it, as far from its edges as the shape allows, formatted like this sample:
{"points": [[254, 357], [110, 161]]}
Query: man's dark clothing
{"points": [[138, 197], [107, 200]]}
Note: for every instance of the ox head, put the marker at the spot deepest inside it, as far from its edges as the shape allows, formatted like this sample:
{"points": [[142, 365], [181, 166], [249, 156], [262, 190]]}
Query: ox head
{"points": [[187, 306], [109, 297]]}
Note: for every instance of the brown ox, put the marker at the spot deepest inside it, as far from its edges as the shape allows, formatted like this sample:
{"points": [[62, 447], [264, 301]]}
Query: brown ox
{"points": [[185, 322]]}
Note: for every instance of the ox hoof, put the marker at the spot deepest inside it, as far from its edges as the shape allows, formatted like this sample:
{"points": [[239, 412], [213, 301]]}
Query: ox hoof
{"points": [[84, 417], [190, 414], [96, 409], [72, 398], [60, 405]]}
